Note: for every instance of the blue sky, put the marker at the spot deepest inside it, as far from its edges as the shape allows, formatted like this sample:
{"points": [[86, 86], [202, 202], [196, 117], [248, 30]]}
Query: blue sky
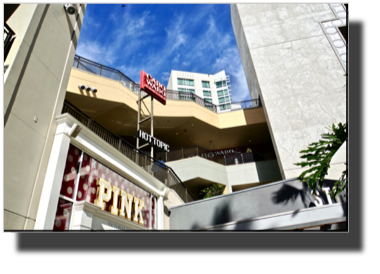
{"points": [[158, 38]]}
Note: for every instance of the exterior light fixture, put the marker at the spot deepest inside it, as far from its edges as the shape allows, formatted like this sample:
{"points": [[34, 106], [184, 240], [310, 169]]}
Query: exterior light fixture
{"points": [[81, 86], [88, 88], [74, 131], [94, 90], [70, 9]]}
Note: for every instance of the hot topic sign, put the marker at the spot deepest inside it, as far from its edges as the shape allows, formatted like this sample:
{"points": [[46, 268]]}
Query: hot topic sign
{"points": [[152, 87]]}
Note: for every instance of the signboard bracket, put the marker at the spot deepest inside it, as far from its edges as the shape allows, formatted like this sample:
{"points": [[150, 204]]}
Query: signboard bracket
{"points": [[139, 121]]}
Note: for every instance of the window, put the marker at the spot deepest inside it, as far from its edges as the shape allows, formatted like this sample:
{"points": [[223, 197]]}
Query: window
{"points": [[224, 107], [221, 100], [205, 84], [207, 93], [187, 90], [220, 84], [185, 82], [208, 100], [225, 91], [227, 99], [184, 94], [220, 93]]}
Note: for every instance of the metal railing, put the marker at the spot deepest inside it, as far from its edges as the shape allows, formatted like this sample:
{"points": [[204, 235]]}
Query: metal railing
{"points": [[96, 68], [232, 159], [9, 37], [165, 175]]}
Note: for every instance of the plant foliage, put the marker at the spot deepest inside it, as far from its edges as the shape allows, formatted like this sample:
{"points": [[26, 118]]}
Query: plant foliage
{"points": [[211, 191], [318, 157]]}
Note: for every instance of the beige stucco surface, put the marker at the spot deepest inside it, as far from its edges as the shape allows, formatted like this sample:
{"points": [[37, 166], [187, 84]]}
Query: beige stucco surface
{"points": [[114, 91], [30, 128], [290, 63], [172, 200]]}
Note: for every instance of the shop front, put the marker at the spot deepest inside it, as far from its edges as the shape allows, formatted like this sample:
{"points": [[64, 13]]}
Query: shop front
{"points": [[90, 185]]}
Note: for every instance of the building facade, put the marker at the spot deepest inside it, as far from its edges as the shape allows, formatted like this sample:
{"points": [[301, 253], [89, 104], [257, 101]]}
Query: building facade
{"points": [[215, 89], [294, 58]]}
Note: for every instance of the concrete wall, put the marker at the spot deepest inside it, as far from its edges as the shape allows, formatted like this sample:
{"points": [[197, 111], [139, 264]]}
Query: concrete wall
{"points": [[197, 167], [34, 91], [289, 61], [282, 205]]}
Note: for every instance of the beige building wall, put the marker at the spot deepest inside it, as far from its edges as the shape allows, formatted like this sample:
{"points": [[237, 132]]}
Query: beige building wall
{"points": [[289, 61], [34, 90], [114, 91]]}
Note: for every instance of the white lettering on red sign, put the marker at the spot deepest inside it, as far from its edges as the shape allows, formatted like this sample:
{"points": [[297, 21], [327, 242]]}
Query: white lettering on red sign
{"points": [[155, 85]]}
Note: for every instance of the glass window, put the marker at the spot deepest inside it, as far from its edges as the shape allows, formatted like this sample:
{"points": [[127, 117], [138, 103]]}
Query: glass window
{"points": [[220, 84], [184, 94], [227, 99], [220, 93], [221, 100], [205, 84], [185, 82], [208, 100], [207, 93], [226, 92], [224, 107], [187, 90]]}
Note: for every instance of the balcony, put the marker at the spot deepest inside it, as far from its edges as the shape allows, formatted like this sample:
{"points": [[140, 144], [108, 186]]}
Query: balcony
{"points": [[165, 175], [98, 69]]}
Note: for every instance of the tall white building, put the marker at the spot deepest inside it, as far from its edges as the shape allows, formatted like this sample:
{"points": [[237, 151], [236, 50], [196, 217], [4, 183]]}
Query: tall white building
{"points": [[215, 89]]}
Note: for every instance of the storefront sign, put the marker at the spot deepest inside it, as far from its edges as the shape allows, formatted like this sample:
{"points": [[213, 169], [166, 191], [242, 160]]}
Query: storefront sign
{"points": [[225, 152], [318, 201], [152, 140], [124, 207], [152, 87], [95, 182]]}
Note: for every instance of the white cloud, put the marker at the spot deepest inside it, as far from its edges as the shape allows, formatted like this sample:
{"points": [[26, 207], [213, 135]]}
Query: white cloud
{"points": [[185, 63], [231, 63], [165, 76]]}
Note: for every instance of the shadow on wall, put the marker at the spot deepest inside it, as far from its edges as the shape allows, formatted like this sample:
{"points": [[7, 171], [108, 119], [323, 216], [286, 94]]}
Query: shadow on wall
{"points": [[289, 193], [268, 173], [221, 215]]}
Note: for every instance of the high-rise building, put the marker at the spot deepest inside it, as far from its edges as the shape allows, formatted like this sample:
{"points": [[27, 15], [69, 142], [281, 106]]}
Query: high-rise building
{"points": [[215, 89]]}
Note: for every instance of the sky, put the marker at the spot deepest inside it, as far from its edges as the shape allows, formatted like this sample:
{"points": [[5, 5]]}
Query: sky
{"points": [[158, 38]]}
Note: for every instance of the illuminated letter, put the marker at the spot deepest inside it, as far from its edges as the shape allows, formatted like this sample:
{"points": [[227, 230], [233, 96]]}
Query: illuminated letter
{"points": [[101, 194], [327, 190], [317, 201], [113, 208], [138, 210], [126, 203]]}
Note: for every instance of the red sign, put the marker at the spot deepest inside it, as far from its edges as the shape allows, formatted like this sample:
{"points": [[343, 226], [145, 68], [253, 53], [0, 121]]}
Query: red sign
{"points": [[152, 87]]}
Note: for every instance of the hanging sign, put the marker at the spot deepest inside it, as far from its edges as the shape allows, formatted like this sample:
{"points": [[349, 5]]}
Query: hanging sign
{"points": [[152, 140], [152, 87]]}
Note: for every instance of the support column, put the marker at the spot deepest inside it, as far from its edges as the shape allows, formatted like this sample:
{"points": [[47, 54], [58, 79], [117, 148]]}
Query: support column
{"points": [[160, 213], [52, 183]]}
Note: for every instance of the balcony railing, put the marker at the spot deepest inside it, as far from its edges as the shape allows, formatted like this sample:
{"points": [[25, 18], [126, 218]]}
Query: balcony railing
{"points": [[96, 68], [165, 175], [9, 37], [232, 159]]}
